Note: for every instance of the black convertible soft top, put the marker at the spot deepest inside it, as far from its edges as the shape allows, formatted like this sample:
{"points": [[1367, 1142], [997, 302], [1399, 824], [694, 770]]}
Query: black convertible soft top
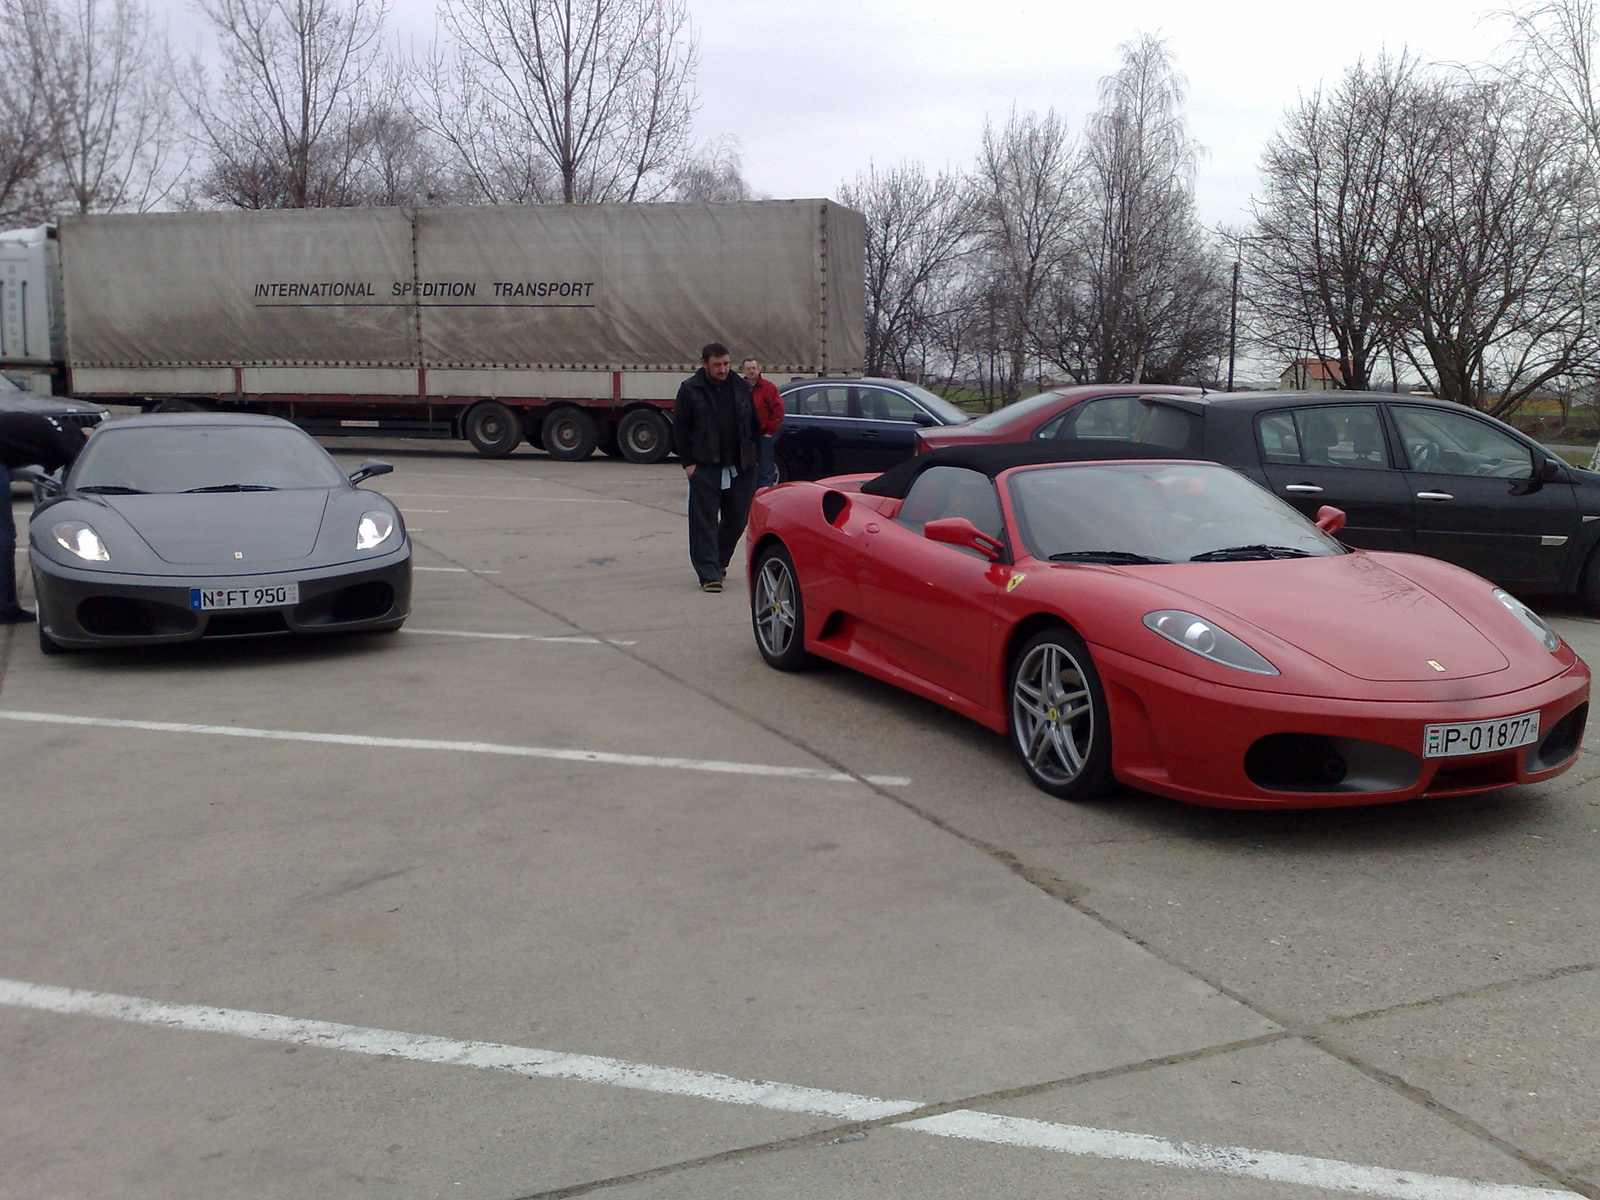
{"points": [[993, 457]]}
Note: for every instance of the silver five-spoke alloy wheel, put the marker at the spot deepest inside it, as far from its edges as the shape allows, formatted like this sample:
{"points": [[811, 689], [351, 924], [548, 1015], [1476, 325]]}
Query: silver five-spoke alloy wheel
{"points": [[1058, 716], [776, 613]]}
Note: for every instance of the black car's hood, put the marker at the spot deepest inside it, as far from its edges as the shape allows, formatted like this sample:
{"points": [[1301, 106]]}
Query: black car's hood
{"points": [[226, 528]]}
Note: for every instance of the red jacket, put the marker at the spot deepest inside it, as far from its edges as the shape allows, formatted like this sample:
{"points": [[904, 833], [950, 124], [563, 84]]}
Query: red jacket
{"points": [[769, 405]]}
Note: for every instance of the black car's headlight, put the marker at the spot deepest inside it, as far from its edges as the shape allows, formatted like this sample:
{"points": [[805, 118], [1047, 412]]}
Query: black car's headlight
{"points": [[80, 539], [1202, 637], [1530, 619], [375, 528]]}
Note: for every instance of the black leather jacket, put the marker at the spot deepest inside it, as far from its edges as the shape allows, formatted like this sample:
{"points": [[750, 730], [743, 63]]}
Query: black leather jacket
{"points": [[713, 430]]}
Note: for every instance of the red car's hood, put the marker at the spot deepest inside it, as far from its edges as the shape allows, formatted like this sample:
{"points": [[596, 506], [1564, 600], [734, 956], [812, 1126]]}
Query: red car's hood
{"points": [[1354, 612]]}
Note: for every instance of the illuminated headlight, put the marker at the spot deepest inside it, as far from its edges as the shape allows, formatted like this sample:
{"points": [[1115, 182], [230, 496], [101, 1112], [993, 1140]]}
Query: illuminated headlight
{"points": [[81, 540], [1205, 639], [374, 530], [1534, 622]]}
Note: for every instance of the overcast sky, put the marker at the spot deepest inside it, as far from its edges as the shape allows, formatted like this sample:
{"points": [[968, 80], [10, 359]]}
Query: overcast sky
{"points": [[814, 90]]}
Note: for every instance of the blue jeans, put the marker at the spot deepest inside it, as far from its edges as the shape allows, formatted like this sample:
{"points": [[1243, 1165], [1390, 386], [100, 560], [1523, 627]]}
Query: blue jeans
{"points": [[767, 471], [8, 543]]}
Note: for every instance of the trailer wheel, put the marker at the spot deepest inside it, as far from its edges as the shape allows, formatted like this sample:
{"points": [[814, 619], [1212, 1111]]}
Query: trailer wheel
{"points": [[172, 405], [569, 434], [492, 428], [644, 436]]}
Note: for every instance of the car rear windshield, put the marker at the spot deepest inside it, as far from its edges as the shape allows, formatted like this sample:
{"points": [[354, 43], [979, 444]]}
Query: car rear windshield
{"points": [[1013, 412], [187, 458], [1164, 512]]}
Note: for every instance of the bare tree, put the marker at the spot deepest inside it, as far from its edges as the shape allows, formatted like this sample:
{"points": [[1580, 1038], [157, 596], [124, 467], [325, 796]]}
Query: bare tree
{"points": [[714, 174], [1329, 223], [1492, 268], [1140, 297], [1026, 198], [101, 75], [918, 228], [565, 100], [26, 190], [288, 121]]}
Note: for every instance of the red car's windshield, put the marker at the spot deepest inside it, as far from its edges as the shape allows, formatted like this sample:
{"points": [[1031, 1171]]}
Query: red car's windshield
{"points": [[1156, 512]]}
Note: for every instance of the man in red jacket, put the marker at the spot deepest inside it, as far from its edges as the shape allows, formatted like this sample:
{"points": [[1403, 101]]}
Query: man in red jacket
{"points": [[769, 407]]}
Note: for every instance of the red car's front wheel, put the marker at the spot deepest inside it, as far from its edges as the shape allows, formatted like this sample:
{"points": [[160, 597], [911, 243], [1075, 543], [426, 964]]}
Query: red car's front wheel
{"points": [[1059, 720], [775, 611]]}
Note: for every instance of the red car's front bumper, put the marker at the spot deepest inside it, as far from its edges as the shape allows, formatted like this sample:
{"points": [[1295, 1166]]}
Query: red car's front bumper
{"points": [[1203, 743]]}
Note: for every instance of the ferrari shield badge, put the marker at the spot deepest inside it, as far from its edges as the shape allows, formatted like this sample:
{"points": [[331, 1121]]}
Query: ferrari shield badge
{"points": [[1011, 584]]}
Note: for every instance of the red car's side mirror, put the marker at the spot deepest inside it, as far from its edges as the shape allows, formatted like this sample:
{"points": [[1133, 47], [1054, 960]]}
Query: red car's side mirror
{"points": [[1330, 519], [958, 531]]}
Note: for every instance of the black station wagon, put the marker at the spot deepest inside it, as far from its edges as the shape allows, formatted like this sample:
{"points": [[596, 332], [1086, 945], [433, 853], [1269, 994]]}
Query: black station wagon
{"points": [[1411, 474]]}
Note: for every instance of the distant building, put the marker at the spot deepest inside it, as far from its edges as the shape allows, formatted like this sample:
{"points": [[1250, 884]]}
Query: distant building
{"points": [[1312, 375]]}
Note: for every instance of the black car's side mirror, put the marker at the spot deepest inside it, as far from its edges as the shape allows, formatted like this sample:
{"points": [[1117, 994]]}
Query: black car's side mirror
{"points": [[373, 466], [1551, 471], [924, 420]]}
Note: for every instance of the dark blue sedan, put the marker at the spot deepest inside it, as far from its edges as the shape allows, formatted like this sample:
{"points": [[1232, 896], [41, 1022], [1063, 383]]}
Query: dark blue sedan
{"points": [[846, 426]]}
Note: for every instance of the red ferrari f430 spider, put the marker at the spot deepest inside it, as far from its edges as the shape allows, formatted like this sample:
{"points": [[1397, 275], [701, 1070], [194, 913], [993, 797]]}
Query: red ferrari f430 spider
{"points": [[1166, 624]]}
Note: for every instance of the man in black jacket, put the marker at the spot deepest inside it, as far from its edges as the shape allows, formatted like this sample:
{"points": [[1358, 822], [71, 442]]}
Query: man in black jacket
{"points": [[26, 439], [717, 433]]}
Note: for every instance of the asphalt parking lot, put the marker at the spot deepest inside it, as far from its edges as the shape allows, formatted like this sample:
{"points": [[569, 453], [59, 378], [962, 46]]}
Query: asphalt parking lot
{"points": [[560, 891]]}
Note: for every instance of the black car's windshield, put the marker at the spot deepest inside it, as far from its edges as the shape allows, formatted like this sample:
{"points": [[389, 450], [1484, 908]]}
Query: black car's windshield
{"points": [[938, 405], [1166, 512], [194, 458]]}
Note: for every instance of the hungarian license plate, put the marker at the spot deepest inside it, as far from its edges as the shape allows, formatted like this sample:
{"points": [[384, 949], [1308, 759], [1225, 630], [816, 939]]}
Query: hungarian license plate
{"points": [[1480, 737], [273, 596]]}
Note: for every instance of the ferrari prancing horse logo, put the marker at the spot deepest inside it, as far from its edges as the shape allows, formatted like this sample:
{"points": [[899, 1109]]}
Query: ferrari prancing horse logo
{"points": [[1435, 665], [1011, 584]]}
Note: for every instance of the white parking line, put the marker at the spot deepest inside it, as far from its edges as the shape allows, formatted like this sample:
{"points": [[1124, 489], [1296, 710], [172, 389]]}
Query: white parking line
{"points": [[711, 765], [577, 639], [1328, 1173], [453, 570], [533, 499]]}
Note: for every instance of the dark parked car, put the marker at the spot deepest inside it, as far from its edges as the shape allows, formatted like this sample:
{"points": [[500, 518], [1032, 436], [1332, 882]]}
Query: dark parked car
{"points": [[1411, 473], [173, 528], [72, 413], [847, 426]]}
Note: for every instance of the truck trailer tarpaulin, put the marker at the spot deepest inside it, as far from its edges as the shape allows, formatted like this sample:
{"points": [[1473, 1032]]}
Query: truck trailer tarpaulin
{"points": [[422, 319]]}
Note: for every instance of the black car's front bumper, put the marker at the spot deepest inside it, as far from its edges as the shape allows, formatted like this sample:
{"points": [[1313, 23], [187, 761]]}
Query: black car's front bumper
{"points": [[82, 607]]}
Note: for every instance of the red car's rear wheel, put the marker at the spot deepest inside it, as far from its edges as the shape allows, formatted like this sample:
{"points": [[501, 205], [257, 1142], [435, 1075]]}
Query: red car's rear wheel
{"points": [[1059, 720]]}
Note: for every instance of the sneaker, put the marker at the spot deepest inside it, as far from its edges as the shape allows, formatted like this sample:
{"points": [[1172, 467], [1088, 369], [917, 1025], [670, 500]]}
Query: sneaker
{"points": [[711, 585], [21, 616]]}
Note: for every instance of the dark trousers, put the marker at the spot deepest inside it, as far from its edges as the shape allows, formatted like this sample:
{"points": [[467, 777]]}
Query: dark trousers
{"points": [[8, 544], [767, 472], [716, 519]]}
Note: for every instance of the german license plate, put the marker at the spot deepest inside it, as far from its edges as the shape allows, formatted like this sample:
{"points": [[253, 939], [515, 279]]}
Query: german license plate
{"points": [[273, 596], [1480, 737]]}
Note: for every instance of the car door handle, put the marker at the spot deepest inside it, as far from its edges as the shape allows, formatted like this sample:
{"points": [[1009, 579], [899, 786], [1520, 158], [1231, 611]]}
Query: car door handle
{"points": [[1307, 489], [1434, 496], [871, 433]]}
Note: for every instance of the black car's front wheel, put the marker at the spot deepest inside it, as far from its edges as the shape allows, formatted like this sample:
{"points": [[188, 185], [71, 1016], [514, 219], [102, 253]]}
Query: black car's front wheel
{"points": [[1059, 721], [776, 613]]}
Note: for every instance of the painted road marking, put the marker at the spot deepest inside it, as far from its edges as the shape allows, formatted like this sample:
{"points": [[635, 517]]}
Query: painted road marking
{"points": [[965, 1124], [453, 570], [533, 499], [427, 510], [577, 639], [353, 739]]}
